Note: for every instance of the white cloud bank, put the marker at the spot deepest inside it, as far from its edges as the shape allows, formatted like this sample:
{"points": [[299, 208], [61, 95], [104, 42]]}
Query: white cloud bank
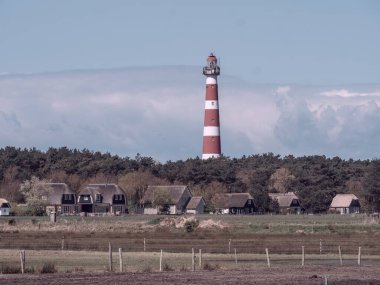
{"points": [[159, 112]]}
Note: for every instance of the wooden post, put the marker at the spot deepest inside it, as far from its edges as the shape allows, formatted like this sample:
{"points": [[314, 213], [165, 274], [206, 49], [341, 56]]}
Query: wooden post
{"points": [[235, 257], [229, 246], [320, 246], [303, 256], [63, 243], [360, 256], [200, 258], [268, 260], [22, 261], [192, 260], [325, 281], [144, 245], [340, 255], [120, 260], [110, 256], [161, 261]]}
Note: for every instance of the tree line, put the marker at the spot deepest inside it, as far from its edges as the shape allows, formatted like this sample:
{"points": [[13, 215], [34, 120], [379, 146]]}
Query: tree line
{"points": [[315, 179]]}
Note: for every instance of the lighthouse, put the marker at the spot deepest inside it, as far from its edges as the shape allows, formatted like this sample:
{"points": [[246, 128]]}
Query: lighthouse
{"points": [[211, 129]]}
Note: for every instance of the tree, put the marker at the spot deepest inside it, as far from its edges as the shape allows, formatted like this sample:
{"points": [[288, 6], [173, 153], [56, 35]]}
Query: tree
{"points": [[372, 187], [281, 180], [36, 194]]}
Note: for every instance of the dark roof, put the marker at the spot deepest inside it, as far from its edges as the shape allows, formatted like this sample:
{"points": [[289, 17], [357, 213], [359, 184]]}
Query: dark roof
{"points": [[55, 192], [175, 192], [194, 203], [106, 190], [4, 203], [284, 199], [231, 200]]}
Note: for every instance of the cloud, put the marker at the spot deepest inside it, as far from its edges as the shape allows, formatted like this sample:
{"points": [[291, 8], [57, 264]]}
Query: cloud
{"points": [[159, 112]]}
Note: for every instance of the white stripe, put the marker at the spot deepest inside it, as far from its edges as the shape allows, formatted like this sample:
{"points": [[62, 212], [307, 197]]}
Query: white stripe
{"points": [[211, 104], [211, 131], [211, 80], [210, 155]]}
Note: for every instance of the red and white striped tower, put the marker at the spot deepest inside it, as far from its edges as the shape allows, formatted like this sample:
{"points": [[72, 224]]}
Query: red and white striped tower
{"points": [[211, 130]]}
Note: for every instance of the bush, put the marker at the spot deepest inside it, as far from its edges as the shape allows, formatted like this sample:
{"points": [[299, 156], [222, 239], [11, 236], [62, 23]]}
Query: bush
{"points": [[146, 269], [48, 268], [210, 267], [12, 222], [191, 225], [10, 269], [167, 267], [155, 221]]}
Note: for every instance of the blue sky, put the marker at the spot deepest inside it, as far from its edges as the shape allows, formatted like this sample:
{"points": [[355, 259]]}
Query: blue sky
{"points": [[302, 75]]}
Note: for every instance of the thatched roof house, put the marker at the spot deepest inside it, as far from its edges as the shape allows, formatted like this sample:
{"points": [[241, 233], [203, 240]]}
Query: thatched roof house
{"points": [[170, 199], [102, 198], [60, 198], [4, 207], [196, 205], [345, 204], [234, 203], [287, 202]]}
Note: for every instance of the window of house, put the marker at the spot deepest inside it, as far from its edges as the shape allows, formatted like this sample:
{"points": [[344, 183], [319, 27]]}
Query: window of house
{"points": [[98, 198]]}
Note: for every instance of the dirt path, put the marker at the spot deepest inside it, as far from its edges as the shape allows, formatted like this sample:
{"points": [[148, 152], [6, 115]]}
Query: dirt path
{"points": [[308, 275]]}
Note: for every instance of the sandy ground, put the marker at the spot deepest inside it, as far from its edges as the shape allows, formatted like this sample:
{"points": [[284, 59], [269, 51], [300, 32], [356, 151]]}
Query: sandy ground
{"points": [[284, 275]]}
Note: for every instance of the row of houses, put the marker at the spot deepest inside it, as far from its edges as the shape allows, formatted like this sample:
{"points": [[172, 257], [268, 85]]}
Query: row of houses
{"points": [[175, 199]]}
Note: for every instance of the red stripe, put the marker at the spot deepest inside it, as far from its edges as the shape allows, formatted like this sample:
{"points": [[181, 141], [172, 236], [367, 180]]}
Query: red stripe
{"points": [[211, 92], [211, 117], [211, 144]]}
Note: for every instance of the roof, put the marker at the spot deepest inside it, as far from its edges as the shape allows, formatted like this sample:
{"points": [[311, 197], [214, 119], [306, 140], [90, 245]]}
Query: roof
{"points": [[194, 203], [4, 203], [175, 192], [106, 190], [56, 190], [343, 200], [231, 200], [284, 199]]}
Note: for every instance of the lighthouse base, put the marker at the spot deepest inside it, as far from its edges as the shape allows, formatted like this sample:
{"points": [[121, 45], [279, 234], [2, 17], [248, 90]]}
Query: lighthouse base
{"points": [[210, 155]]}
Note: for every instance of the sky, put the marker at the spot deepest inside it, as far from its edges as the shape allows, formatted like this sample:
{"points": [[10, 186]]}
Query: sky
{"points": [[118, 76]]}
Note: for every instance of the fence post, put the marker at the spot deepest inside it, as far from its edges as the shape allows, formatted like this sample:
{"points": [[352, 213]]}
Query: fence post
{"points": [[325, 281], [200, 258], [320, 246], [144, 245], [229, 246], [161, 261], [303, 256], [235, 257], [360, 256], [110, 256], [340, 255], [121, 260], [192, 260], [268, 260], [63, 243], [22, 261]]}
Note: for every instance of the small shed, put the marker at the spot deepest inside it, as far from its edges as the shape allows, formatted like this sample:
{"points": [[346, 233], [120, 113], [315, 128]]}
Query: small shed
{"points": [[5, 207], [234, 203], [196, 205], [287, 202], [345, 204]]}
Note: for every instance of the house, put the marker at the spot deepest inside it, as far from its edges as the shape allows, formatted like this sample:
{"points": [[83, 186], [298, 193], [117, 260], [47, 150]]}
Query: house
{"points": [[234, 203], [196, 205], [169, 199], [4, 207], [345, 204], [287, 202], [102, 198], [60, 199]]}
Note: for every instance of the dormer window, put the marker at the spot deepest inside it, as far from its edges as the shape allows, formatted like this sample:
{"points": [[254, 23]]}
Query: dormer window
{"points": [[98, 198]]}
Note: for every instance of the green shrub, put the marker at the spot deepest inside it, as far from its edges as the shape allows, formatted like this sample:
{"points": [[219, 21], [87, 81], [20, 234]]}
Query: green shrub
{"points": [[167, 267], [10, 269], [210, 267], [191, 225], [12, 222], [48, 268]]}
